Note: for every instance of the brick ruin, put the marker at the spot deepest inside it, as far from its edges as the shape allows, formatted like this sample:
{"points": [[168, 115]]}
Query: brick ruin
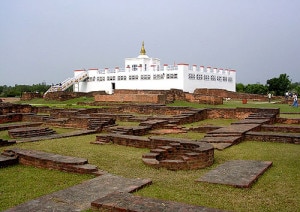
{"points": [[201, 96], [171, 153]]}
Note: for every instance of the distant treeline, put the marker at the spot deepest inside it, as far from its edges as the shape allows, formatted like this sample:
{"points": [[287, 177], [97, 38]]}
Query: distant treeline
{"points": [[17, 90], [277, 86]]}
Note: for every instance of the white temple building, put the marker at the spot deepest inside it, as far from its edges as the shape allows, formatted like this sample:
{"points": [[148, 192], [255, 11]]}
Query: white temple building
{"points": [[145, 73]]}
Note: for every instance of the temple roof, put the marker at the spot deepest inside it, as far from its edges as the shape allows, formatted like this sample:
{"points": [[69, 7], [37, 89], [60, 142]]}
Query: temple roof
{"points": [[143, 52]]}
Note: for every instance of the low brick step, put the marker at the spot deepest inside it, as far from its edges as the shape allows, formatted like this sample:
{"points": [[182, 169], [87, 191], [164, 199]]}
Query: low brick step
{"points": [[173, 164], [7, 142], [150, 161], [98, 142], [119, 202], [7, 160], [225, 139], [85, 168], [158, 150], [8, 153], [222, 135], [168, 148], [52, 161], [150, 155], [191, 154]]}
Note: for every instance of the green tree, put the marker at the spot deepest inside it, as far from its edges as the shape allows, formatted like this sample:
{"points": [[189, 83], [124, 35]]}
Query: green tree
{"points": [[240, 87], [279, 85], [256, 89], [295, 87]]}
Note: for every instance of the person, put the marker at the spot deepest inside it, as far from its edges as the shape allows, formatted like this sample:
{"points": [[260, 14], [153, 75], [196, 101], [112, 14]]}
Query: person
{"points": [[269, 97], [286, 96], [295, 103]]}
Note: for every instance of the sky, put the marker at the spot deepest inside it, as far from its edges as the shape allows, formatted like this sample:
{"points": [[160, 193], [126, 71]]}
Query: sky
{"points": [[45, 41]]}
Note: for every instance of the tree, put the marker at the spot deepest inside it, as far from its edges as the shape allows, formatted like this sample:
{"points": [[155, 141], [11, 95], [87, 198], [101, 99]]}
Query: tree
{"points": [[279, 85], [240, 87], [295, 87], [256, 89]]}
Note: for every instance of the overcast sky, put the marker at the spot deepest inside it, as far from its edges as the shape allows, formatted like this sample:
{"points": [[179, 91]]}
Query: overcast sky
{"points": [[45, 40]]}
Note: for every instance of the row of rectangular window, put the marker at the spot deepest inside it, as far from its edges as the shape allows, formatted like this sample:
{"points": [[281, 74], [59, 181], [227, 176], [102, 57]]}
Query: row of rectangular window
{"points": [[209, 77], [162, 76]]}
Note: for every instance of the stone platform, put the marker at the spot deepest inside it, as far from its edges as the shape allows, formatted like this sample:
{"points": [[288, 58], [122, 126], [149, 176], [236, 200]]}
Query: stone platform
{"points": [[56, 136], [120, 202], [79, 197], [50, 161], [237, 173]]}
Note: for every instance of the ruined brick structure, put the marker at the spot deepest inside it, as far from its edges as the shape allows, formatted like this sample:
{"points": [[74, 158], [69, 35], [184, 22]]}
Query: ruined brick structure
{"points": [[65, 95], [30, 95]]}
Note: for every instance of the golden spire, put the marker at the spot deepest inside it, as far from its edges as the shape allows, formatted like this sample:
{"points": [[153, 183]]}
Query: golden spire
{"points": [[143, 51]]}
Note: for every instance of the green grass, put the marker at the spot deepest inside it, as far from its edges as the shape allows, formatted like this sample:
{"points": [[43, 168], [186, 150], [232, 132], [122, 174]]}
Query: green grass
{"points": [[277, 190], [22, 183], [71, 103], [233, 104]]}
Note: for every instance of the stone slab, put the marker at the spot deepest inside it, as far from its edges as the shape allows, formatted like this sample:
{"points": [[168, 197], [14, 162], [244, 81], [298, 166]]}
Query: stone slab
{"points": [[221, 139], [252, 121], [119, 202], [235, 129], [79, 197], [221, 146], [7, 161], [237, 173], [56, 136]]}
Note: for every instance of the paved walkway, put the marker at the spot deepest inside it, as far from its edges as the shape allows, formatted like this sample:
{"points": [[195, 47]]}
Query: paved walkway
{"points": [[237, 173], [127, 202], [54, 136], [79, 197]]}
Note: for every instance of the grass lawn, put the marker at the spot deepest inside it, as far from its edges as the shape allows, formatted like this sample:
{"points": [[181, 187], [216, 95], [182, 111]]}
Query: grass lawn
{"points": [[278, 189]]}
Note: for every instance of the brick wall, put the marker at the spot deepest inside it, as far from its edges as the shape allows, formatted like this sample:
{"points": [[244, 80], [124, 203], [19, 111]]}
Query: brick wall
{"points": [[229, 94], [65, 95], [136, 98], [30, 95]]}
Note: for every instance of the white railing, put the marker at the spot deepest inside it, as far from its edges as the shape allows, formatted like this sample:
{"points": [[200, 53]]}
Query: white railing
{"points": [[67, 83]]}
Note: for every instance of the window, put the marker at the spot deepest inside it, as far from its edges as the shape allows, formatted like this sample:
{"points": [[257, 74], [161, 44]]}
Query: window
{"points": [[206, 77], [192, 76], [172, 76], [224, 79], [133, 77], [213, 78], [145, 77], [134, 67], [199, 77], [219, 78], [121, 78], [158, 76], [111, 78], [229, 79]]}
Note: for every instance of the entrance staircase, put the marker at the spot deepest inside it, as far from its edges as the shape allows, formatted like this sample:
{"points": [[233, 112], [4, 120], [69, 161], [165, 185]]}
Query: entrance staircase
{"points": [[67, 83]]}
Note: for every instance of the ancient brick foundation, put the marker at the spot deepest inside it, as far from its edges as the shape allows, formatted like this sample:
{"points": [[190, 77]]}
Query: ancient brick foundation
{"points": [[157, 97], [30, 95], [229, 94], [65, 95], [52, 161], [169, 153], [136, 98]]}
